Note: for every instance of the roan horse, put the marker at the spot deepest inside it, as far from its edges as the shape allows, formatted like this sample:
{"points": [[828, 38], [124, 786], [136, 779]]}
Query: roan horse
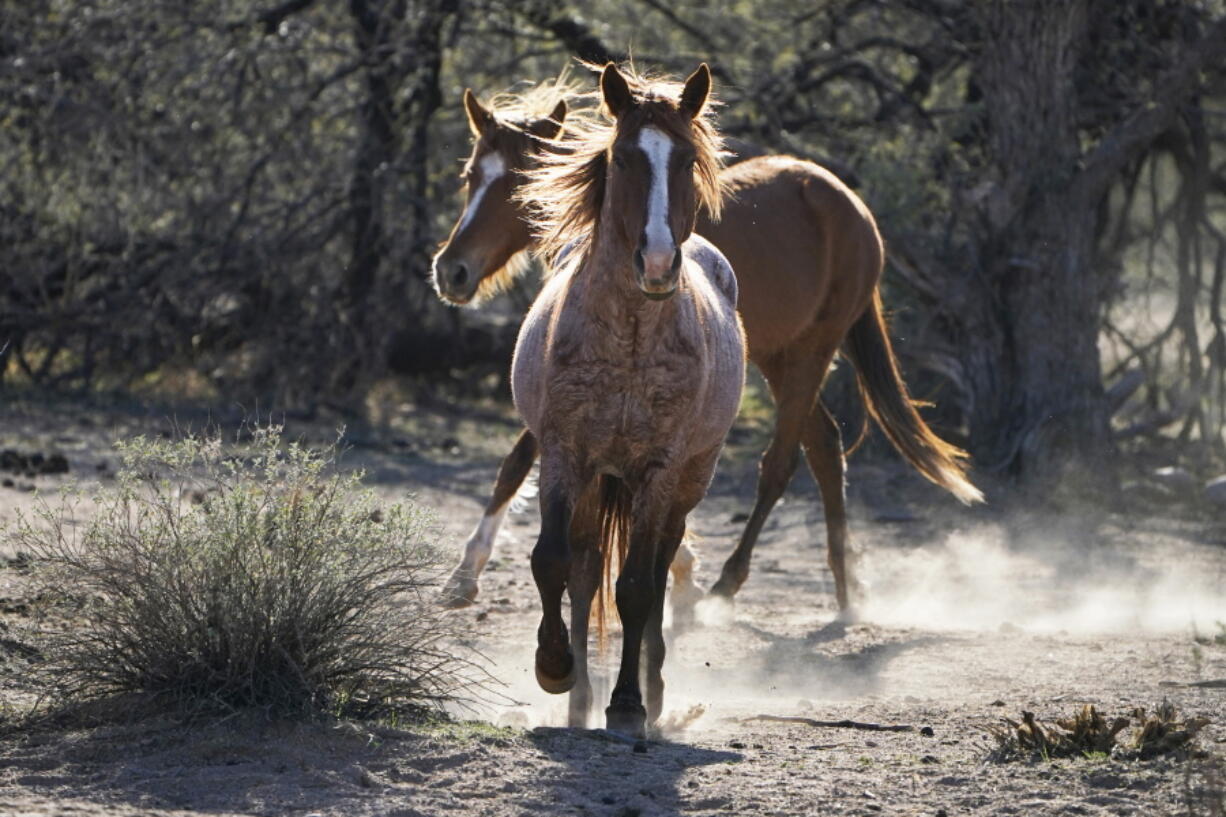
{"points": [[628, 371], [808, 258]]}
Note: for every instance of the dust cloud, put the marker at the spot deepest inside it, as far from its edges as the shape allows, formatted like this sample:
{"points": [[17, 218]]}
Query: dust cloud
{"points": [[984, 579], [925, 603]]}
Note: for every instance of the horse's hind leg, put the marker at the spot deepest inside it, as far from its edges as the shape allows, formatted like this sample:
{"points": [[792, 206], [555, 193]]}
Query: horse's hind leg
{"points": [[823, 445], [462, 587], [685, 592], [794, 385], [689, 492]]}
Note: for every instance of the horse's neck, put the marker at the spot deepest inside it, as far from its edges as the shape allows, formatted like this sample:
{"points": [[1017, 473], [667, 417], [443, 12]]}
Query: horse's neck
{"points": [[610, 292]]}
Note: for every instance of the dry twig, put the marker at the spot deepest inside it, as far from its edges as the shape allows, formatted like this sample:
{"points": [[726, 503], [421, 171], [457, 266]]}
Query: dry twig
{"points": [[844, 724]]}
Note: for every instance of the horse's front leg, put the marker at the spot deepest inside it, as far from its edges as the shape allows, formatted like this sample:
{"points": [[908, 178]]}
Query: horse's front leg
{"points": [[585, 577], [555, 662], [462, 587], [653, 638], [640, 588]]}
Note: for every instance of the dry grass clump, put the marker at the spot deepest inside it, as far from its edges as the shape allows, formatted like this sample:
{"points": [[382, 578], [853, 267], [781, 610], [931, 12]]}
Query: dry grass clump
{"points": [[1089, 734], [270, 580]]}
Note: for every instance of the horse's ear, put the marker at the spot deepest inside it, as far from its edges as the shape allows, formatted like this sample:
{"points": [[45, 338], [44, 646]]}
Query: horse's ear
{"points": [[615, 91], [697, 86], [551, 126], [478, 117]]}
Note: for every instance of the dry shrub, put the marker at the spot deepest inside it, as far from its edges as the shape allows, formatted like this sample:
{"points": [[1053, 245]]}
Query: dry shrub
{"points": [[1089, 734], [271, 580]]}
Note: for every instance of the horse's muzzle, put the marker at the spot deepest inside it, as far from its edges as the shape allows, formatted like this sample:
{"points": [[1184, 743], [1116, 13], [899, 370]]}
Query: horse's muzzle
{"points": [[657, 273], [454, 281]]}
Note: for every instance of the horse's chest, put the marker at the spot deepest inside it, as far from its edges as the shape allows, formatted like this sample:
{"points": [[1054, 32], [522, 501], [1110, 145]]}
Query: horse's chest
{"points": [[610, 401]]}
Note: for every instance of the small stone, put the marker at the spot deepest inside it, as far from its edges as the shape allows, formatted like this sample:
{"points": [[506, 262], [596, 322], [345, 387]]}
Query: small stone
{"points": [[926, 731], [739, 517], [997, 702], [1215, 491], [930, 759], [56, 464], [1177, 479], [736, 744]]}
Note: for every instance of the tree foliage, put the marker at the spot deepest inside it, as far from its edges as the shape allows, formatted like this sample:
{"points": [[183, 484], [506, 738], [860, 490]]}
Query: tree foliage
{"points": [[250, 190]]}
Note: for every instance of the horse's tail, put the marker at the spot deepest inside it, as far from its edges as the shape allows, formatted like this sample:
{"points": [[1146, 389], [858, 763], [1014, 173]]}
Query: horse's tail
{"points": [[613, 519], [888, 402]]}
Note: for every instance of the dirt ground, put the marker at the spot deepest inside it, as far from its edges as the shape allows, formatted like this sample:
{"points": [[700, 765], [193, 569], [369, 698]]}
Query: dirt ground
{"points": [[974, 614]]}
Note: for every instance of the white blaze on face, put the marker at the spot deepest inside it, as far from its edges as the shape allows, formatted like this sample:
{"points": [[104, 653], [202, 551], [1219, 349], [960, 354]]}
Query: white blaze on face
{"points": [[493, 168], [658, 148]]}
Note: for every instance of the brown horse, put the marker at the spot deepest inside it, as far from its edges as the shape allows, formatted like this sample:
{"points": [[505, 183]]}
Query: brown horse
{"points": [[808, 258], [628, 371]]}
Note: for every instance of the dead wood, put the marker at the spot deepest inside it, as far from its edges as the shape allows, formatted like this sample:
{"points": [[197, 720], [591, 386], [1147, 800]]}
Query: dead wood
{"points": [[843, 724]]}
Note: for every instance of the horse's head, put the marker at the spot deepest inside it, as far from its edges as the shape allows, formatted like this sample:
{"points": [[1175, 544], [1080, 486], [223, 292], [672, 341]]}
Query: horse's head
{"points": [[656, 165], [492, 229]]}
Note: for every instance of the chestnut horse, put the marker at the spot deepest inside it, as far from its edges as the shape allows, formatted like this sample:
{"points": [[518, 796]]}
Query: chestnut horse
{"points": [[808, 259], [628, 371]]}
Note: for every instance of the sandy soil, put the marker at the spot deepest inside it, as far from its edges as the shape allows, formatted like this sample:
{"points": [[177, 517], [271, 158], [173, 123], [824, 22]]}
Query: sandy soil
{"points": [[974, 615]]}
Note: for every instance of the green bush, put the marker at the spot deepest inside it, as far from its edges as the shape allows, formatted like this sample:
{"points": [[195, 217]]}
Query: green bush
{"points": [[267, 580]]}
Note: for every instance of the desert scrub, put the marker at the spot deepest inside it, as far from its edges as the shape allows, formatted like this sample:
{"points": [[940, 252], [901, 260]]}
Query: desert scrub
{"points": [[269, 579]]}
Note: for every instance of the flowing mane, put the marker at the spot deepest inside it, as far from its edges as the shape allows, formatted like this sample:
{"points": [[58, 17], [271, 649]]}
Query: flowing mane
{"points": [[520, 108], [564, 193]]}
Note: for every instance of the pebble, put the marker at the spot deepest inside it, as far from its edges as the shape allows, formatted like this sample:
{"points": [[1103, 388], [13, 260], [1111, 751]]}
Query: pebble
{"points": [[1176, 478], [1215, 491]]}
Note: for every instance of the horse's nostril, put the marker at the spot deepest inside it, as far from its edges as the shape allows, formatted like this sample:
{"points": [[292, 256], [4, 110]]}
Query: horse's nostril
{"points": [[460, 277]]}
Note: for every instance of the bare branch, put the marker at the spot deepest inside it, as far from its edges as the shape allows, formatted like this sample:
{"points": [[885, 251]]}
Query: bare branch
{"points": [[1147, 123]]}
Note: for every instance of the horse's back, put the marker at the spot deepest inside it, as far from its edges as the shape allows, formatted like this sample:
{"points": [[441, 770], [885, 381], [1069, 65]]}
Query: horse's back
{"points": [[714, 265], [528, 367], [715, 289], [804, 246]]}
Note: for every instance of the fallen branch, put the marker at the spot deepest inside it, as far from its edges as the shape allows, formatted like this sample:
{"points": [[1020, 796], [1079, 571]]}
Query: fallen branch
{"points": [[867, 727], [1215, 683]]}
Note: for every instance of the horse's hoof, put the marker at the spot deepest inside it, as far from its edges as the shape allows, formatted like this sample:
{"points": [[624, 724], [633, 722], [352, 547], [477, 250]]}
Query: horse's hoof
{"points": [[627, 719], [684, 619], [556, 680], [684, 599], [850, 614], [724, 589], [458, 593]]}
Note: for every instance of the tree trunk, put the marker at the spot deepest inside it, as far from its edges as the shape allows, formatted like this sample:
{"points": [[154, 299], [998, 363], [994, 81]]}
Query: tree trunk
{"points": [[1036, 380], [375, 24], [1026, 311]]}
